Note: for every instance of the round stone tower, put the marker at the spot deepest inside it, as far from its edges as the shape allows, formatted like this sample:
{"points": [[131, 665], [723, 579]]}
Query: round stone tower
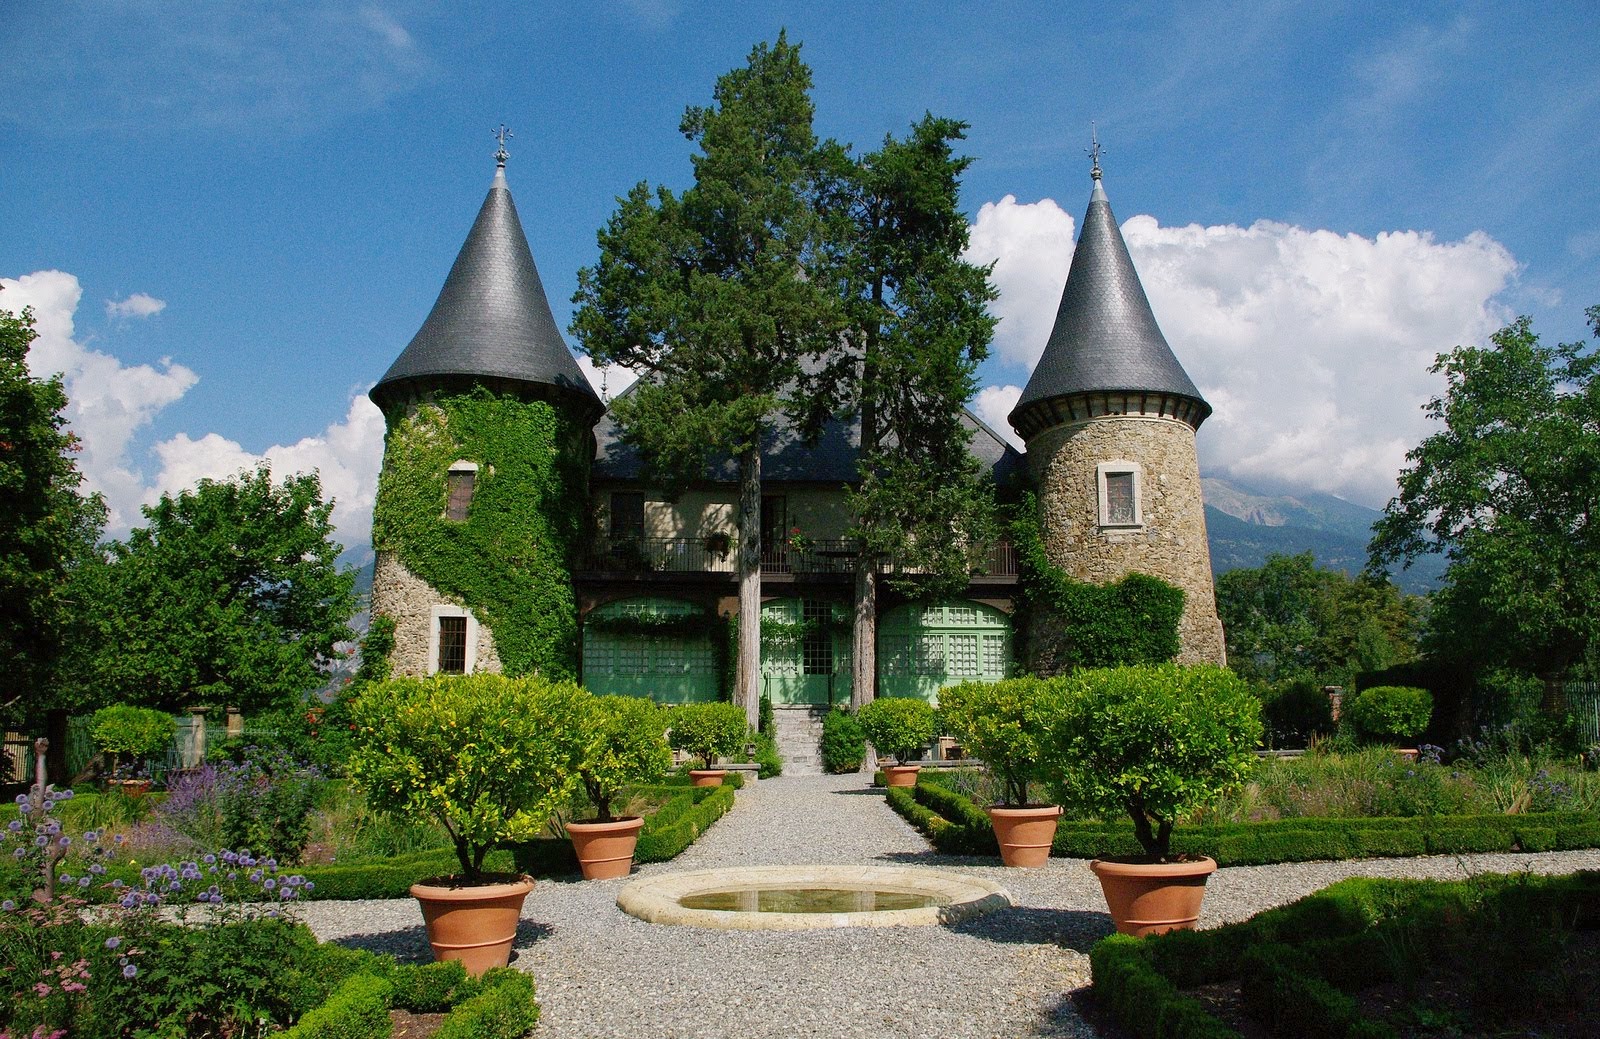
{"points": [[489, 439], [1109, 418]]}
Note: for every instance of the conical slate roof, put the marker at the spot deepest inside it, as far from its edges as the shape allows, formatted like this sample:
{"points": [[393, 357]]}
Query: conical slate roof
{"points": [[491, 323], [1105, 337]]}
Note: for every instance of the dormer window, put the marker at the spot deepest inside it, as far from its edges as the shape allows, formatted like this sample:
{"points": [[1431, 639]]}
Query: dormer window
{"points": [[459, 483], [1120, 495]]}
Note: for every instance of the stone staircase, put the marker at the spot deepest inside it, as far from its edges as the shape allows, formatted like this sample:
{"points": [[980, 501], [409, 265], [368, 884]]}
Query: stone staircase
{"points": [[798, 731]]}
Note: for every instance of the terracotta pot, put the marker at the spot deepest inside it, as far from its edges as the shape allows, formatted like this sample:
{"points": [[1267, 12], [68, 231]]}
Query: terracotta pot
{"points": [[900, 775], [605, 850], [1154, 897], [707, 776], [475, 925], [1025, 834], [132, 787]]}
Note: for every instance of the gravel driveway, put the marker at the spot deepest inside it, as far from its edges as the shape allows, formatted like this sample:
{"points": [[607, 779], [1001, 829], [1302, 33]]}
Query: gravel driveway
{"points": [[602, 973]]}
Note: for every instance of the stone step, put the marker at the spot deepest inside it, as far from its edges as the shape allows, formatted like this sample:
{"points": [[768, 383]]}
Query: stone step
{"points": [[798, 733]]}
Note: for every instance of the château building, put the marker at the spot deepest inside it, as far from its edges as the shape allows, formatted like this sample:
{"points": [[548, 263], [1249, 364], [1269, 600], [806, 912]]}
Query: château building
{"points": [[639, 589]]}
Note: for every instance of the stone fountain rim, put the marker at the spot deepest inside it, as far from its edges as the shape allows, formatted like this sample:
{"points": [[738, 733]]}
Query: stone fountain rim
{"points": [[655, 899]]}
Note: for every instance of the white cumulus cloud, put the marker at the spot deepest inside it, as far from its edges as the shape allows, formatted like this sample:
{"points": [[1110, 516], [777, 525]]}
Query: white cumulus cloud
{"points": [[607, 380], [993, 404], [140, 304], [1312, 346]]}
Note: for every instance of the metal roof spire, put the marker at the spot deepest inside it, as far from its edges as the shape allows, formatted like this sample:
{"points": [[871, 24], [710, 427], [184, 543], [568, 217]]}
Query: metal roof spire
{"points": [[491, 324], [1094, 152], [1105, 338]]}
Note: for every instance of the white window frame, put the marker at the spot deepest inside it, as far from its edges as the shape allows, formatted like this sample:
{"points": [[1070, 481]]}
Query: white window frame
{"points": [[433, 637], [1118, 468]]}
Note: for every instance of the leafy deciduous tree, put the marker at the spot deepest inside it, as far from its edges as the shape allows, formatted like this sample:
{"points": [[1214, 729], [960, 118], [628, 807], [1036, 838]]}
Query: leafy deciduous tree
{"points": [[1509, 490], [1291, 619], [47, 528], [230, 596]]}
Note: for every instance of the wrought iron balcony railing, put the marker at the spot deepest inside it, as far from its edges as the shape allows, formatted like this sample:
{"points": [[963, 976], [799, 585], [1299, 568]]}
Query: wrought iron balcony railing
{"points": [[717, 555]]}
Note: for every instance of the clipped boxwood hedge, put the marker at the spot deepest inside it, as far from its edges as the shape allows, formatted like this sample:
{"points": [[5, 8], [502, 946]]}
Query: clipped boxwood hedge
{"points": [[957, 826], [1295, 963], [499, 1005]]}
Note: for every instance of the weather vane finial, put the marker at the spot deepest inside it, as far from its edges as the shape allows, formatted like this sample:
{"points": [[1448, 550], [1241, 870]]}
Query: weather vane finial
{"points": [[502, 155], [1094, 152]]}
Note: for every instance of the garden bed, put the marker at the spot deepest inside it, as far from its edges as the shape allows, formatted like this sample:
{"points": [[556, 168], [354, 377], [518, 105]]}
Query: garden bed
{"points": [[956, 825], [1366, 959]]}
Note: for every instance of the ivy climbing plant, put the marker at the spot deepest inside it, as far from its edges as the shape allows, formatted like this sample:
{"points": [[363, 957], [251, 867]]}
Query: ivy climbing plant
{"points": [[1134, 621], [510, 561]]}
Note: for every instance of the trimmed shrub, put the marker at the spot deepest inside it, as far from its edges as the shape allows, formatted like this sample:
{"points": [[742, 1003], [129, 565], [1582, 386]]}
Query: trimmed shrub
{"points": [[505, 1009], [358, 1010], [844, 741], [1390, 713], [1157, 742], [1295, 712], [708, 730], [1008, 725], [139, 732], [898, 725]]}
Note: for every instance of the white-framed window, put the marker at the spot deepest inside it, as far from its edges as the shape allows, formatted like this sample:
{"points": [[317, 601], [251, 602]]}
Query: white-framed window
{"points": [[1121, 494], [452, 641], [459, 483]]}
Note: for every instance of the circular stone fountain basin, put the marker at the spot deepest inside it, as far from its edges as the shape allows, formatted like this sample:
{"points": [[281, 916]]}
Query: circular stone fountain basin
{"points": [[792, 898]]}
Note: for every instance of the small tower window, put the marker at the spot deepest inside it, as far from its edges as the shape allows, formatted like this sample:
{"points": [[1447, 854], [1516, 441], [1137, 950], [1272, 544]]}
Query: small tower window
{"points": [[627, 515], [459, 483], [453, 641], [1120, 494]]}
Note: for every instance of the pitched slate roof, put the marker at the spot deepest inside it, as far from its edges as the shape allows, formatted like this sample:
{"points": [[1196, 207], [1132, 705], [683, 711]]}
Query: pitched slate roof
{"points": [[1105, 336], [788, 459], [492, 320]]}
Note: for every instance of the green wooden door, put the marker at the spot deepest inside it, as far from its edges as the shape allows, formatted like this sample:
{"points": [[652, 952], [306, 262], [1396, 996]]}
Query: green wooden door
{"points": [[805, 653], [922, 649], [663, 649]]}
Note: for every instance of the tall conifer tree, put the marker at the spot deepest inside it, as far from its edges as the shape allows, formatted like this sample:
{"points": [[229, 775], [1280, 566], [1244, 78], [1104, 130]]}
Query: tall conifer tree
{"points": [[719, 296]]}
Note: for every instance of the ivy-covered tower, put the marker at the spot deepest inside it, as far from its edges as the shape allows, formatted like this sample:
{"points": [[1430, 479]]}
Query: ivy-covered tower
{"points": [[1109, 418], [485, 469]]}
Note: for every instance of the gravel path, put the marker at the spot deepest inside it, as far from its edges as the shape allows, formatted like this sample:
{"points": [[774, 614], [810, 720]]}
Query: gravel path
{"points": [[602, 973]]}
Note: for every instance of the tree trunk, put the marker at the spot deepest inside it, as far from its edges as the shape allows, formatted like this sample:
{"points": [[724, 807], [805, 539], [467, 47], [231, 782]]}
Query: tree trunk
{"points": [[747, 687], [864, 635]]}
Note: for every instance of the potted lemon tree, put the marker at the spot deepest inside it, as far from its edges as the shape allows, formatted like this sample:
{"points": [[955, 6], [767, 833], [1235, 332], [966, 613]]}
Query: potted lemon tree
{"points": [[1006, 724], [139, 733], [489, 759], [1157, 744], [708, 731], [898, 726], [625, 742]]}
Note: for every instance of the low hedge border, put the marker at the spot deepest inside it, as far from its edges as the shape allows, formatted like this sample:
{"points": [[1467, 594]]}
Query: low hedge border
{"points": [[499, 1005], [963, 829], [1294, 962]]}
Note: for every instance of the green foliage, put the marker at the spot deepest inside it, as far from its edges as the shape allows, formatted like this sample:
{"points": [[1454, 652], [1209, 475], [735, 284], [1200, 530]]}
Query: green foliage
{"points": [[504, 1010], [1158, 743], [1134, 621], [510, 561], [47, 529], [1290, 619], [918, 328], [898, 725], [844, 741], [489, 758], [708, 730], [230, 597], [358, 1010], [1295, 712], [680, 821], [625, 742], [1390, 712], [137, 731], [1007, 725], [1506, 490], [768, 759]]}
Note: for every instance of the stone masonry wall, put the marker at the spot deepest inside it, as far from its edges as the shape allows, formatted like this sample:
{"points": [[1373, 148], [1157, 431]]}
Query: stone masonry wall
{"points": [[1171, 544], [398, 593]]}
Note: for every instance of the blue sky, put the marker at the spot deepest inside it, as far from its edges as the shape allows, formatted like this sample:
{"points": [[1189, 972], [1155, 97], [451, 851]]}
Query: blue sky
{"points": [[252, 206]]}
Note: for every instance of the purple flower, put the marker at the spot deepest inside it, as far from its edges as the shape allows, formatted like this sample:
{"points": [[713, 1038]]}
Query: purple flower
{"points": [[130, 971], [83, 881], [8, 905], [113, 942], [23, 806], [15, 826]]}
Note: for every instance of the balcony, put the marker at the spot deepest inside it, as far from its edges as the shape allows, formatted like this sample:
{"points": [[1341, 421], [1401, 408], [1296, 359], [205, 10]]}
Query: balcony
{"points": [[716, 556]]}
